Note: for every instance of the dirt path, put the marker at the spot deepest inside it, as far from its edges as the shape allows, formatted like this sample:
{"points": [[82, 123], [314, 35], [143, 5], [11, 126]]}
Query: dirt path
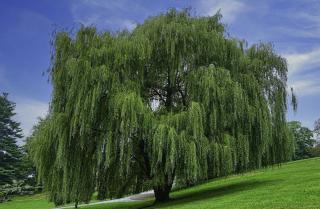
{"points": [[136, 197]]}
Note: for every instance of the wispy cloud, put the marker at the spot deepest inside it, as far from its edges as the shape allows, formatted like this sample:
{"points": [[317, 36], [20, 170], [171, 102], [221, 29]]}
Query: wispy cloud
{"points": [[28, 111], [299, 21], [102, 13], [306, 87], [301, 25], [304, 72], [302, 62], [110, 5], [229, 8], [117, 23]]}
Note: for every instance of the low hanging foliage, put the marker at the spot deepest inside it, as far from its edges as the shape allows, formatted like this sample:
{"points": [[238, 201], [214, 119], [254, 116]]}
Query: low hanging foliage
{"points": [[175, 100]]}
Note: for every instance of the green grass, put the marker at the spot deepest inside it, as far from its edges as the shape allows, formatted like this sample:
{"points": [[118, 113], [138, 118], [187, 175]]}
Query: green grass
{"points": [[38, 201], [293, 185]]}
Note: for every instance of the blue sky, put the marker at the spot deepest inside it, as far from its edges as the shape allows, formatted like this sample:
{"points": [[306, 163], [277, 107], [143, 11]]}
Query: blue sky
{"points": [[293, 26]]}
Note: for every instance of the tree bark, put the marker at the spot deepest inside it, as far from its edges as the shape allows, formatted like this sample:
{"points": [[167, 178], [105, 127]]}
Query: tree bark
{"points": [[161, 193]]}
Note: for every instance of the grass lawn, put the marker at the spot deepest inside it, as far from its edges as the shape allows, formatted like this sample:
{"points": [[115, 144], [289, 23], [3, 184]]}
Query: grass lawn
{"points": [[293, 185], [37, 201]]}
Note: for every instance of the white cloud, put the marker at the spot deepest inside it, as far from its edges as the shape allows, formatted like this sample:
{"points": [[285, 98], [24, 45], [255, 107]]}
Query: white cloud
{"points": [[306, 87], [113, 14], [28, 111], [311, 17], [97, 20], [297, 32], [304, 72], [111, 5], [299, 22], [101, 13], [229, 8], [302, 62]]}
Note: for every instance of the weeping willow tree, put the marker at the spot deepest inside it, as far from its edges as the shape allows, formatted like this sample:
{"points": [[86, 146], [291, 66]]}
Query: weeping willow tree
{"points": [[175, 100]]}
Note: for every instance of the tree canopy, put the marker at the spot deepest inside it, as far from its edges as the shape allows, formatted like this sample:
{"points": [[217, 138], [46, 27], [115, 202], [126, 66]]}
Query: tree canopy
{"points": [[174, 100]]}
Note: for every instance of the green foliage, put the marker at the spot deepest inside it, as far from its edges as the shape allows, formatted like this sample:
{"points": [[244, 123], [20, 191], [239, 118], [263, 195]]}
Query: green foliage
{"points": [[317, 128], [20, 187], [15, 167], [173, 100], [10, 153], [315, 151], [303, 140]]}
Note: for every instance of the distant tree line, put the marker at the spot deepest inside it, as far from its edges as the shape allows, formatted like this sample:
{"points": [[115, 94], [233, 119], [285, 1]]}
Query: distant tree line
{"points": [[304, 140], [316, 150]]}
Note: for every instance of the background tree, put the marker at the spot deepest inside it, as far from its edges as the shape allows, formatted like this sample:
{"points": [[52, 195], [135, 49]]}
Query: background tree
{"points": [[27, 158], [316, 149], [303, 138], [317, 128], [174, 100], [16, 167], [10, 153]]}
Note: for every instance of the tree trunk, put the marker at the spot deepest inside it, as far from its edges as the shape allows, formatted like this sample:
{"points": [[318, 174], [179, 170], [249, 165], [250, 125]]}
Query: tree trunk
{"points": [[161, 193]]}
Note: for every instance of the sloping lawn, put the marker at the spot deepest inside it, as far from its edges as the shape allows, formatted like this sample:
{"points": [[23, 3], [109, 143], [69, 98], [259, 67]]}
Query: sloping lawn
{"points": [[293, 185]]}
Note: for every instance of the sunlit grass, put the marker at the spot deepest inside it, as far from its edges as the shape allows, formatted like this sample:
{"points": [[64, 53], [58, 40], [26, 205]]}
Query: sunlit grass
{"points": [[293, 185]]}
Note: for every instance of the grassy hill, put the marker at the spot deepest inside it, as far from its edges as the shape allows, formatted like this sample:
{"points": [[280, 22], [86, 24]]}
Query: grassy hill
{"points": [[293, 185]]}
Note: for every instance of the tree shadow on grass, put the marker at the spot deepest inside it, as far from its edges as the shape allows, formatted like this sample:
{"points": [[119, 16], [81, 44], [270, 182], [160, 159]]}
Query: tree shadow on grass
{"points": [[192, 195]]}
